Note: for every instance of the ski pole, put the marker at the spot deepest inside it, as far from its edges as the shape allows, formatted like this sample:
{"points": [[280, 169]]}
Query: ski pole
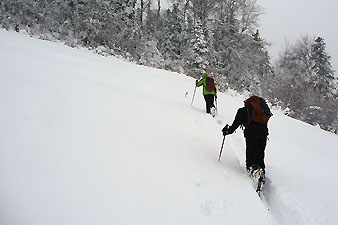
{"points": [[216, 105], [193, 96], [220, 153]]}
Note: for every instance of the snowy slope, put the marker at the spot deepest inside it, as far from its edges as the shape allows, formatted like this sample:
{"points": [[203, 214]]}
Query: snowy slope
{"points": [[86, 139]]}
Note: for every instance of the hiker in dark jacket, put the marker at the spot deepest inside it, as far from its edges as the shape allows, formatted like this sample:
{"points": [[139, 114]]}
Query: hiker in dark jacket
{"points": [[255, 135], [208, 95]]}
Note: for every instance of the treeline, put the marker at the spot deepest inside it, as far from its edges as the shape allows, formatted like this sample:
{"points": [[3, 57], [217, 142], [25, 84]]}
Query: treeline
{"points": [[192, 36], [306, 84]]}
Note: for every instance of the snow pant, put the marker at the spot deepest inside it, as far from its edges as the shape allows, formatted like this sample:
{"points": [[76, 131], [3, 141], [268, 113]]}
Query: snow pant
{"points": [[209, 101], [255, 137], [255, 147]]}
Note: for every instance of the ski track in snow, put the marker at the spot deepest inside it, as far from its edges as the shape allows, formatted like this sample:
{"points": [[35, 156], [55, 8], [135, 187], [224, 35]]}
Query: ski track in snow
{"points": [[281, 213]]}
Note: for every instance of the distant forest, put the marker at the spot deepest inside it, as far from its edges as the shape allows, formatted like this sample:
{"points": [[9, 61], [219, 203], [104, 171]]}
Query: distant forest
{"points": [[220, 37]]}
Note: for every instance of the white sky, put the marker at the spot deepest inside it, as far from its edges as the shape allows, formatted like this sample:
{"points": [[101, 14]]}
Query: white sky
{"points": [[290, 19]]}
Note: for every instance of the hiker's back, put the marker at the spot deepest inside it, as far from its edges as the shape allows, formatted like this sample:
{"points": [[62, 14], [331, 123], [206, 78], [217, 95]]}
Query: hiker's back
{"points": [[210, 84], [258, 111]]}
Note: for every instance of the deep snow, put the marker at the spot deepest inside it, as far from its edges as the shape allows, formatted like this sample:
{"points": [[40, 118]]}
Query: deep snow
{"points": [[87, 139]]}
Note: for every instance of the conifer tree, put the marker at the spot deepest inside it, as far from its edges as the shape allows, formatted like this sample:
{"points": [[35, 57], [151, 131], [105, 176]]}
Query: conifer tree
{"points": [[324, 74], [196, 56]]}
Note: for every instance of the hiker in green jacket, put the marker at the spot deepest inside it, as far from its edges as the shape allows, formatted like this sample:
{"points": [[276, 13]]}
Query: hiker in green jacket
{"points": [[209, 92]]}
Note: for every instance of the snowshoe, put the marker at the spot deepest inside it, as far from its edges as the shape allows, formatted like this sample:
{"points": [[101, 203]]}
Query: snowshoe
{"points": [[253, 171], [213, 111], [258, 177], [261, 181]]}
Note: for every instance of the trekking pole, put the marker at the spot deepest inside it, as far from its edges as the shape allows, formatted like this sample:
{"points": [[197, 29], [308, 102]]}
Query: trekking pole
{"points": [[193, 96], [216, 106], [220, 153]]}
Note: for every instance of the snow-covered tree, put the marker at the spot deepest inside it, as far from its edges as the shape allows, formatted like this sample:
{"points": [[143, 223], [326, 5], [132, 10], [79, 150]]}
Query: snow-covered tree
{"points": [[170, 38], [151, 56], [305, 66], [197, 54], [323, 78]]}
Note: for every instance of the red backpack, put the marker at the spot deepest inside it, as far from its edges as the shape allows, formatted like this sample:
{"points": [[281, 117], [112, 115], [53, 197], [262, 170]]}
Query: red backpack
{"points": [[210, 84], [258, 110]]}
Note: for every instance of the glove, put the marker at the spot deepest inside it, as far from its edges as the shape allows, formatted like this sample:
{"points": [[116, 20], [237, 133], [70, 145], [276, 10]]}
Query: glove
{"points": [[226, 130]]}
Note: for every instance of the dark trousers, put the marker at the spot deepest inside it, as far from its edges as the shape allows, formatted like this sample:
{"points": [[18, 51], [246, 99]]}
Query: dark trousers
{"points": [[209, 101], [255, 147]]}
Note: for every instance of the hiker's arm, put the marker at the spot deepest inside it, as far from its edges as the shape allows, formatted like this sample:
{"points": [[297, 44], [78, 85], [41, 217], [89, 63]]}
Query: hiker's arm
{"points": [[199, 83], [239, 120]]}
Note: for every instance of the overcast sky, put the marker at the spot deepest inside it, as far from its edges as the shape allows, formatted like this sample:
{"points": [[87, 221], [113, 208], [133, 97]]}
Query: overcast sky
{"points": [[290, 19]]}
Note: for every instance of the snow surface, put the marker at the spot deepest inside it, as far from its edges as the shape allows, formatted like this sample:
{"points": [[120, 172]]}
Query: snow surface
{"points": [[87, 139]]}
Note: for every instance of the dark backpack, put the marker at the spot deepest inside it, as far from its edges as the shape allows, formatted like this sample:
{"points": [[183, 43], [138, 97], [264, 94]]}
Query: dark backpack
{"points": [[210, 84], [258, 110]]}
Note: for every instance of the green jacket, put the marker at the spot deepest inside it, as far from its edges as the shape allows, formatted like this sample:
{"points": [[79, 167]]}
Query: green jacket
{"points": [[203, 82]]}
